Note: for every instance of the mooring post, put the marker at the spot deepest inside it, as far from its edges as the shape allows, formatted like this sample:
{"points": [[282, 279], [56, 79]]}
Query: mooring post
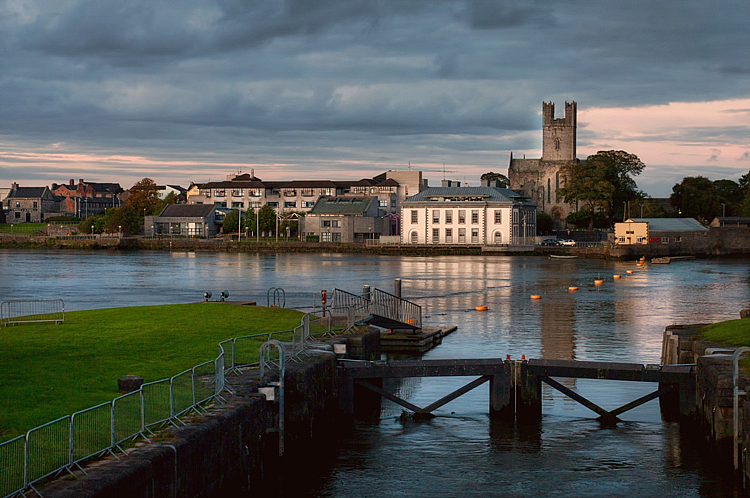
{"points": [[528, 394], [502, 403], [397, 287]]}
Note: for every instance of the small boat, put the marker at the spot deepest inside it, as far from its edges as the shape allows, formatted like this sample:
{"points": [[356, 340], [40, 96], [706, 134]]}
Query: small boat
{"points": [[562, 256]]}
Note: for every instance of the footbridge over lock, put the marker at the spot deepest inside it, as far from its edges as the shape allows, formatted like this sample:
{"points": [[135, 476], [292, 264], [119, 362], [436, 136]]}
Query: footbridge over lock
{"points": [[515, 387]]}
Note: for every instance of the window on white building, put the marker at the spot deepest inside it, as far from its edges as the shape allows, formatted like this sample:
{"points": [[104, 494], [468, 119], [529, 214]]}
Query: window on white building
{"points": [[414, 237], [449, 216], [474, 216], [461, 217], [448, 235], [462, 236], [498, 217], [475, 236], [414, 217], [435, 216], [435, 235]]}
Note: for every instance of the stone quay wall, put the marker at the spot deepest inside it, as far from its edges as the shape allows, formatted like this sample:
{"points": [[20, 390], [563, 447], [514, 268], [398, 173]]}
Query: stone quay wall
{"points": [[714, 396]]}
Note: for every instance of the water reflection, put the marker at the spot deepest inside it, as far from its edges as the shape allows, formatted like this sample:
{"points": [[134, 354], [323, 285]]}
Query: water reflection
{"points": [[461, 452]]}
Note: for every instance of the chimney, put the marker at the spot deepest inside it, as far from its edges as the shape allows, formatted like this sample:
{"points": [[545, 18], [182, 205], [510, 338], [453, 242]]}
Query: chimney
{"points": [[80, 181], [14, 186], [72, 182]]}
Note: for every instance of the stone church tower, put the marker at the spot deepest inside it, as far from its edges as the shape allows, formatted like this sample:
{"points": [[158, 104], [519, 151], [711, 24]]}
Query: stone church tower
{"points": [[558, 135], [539, 179]]}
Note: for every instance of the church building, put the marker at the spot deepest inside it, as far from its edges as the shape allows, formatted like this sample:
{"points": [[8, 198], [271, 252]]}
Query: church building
{"points": [[539, 179]]}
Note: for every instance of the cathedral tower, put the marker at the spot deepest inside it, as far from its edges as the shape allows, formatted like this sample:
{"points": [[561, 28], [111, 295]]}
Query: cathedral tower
{"points": [[559, 135]]}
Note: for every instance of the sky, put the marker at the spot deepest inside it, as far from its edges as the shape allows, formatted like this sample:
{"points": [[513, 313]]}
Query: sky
{"points": [[194, 90]]}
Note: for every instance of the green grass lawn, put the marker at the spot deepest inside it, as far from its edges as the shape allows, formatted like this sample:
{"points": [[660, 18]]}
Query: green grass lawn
{"points": [[729, 333], [22, 228], [49, 370]]}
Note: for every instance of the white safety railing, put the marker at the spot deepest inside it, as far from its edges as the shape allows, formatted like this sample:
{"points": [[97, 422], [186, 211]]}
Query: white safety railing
{"points": [[32, 310]]}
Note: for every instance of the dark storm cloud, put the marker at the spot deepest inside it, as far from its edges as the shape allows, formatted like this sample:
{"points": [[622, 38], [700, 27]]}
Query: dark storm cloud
{"points": [[327, 82]]}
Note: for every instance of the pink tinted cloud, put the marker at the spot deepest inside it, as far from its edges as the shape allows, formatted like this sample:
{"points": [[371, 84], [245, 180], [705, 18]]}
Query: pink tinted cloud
{"points": [[676, 134]]}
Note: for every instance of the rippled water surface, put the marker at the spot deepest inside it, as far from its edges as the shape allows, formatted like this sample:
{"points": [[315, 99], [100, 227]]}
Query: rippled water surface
{"points": [[461, 452]]}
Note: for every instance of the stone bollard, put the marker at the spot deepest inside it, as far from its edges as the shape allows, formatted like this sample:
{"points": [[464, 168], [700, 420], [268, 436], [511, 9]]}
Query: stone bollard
{"points": [[129, 383], [745, 313]]}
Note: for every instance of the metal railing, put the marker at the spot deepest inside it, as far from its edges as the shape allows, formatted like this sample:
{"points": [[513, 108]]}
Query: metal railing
{"points": [[31, 311], [64, 444], [378, 302]]}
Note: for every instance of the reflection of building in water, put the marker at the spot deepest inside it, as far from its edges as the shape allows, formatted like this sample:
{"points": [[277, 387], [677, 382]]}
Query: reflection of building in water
{"points": [[456, 284], [558, 329]]}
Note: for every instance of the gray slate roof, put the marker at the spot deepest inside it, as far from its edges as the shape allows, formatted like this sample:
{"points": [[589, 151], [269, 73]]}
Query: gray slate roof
{"points": [[27, 192], [671, 224], [493, 194], [342, 205], [187, 211]]}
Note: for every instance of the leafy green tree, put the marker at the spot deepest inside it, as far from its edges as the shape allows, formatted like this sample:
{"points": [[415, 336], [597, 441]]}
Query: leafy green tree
{"points": [[248, 221], [144, 198], [587, 183], [543, 223], [231, 221], [267, 217], [125, 220], [603, 182], [731, 196], [496, 177], [696, 197]]}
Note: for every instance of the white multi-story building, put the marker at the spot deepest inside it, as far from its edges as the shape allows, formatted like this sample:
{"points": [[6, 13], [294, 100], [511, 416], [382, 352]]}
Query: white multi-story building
{"points": [[468, 216]]}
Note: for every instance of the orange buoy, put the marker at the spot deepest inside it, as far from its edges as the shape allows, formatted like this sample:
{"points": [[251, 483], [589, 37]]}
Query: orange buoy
{"points": [[598, 282], [572, 288], [480, 308], [615, 276], [628, 271], [536, 296]]}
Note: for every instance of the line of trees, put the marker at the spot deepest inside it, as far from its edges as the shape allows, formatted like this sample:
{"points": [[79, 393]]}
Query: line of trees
{"points": [[605, 189]]}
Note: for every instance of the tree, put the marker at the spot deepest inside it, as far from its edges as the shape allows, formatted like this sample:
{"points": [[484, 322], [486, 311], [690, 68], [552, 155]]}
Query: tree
{"points": [[603, 182], [731, 196], [267, 217], [144, 198], [696, 197], [496, 177], [587, 183], [231, 220], [543, 223]]}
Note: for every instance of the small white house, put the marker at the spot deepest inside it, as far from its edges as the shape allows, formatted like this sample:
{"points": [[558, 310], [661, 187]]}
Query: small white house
{"points": [[468, 216]]}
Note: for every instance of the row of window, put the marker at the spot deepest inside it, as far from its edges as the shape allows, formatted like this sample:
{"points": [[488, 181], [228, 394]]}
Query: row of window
{"points": [[642, 240], [257, 192], [448, 215], [497, 237]]}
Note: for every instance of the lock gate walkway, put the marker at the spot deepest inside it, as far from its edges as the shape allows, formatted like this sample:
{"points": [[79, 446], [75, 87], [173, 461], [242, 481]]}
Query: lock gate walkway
{"points": [[515, 385]]}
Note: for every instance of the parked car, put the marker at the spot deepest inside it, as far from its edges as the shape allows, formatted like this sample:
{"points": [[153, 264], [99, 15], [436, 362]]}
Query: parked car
{"points": [[550, 242], [567, 242]]}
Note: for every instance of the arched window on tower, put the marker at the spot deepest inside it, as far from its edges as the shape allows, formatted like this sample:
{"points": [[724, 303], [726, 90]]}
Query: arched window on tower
{"points": [[557, 143]]}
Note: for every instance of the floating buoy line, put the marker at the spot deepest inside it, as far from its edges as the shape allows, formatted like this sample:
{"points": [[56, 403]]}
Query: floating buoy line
{"points": [[480, 308], [536, 296]]}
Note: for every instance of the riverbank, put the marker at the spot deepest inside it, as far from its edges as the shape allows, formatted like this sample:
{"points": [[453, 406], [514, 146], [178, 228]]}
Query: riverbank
{"points": [[138, 243]]}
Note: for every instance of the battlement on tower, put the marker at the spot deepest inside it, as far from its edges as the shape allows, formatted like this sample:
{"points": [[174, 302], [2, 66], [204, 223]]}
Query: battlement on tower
{"points": [[559, 135]]}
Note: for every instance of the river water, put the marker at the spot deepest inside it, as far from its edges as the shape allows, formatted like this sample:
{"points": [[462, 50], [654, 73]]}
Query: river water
{"points": [[461, 452]]}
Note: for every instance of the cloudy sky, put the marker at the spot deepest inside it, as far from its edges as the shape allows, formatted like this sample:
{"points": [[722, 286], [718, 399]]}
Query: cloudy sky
{"points": [[192, 90]]}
